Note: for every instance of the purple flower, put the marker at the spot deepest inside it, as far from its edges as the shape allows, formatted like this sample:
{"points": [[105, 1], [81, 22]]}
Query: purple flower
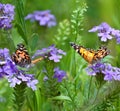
{"points": [[6, 15], [32, 84], [10, 68], [109, 72], [59, 74], [14, 75], [45, 18], [45, 78], [13, 81], [95, 68], [4, 56], [105, 32], [116, 34], [51, 52], [21, 76]]}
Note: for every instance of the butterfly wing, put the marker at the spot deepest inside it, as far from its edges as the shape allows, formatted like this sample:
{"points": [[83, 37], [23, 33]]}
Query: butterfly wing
{"points": [[21, 56], [87, 54], [101, 53], [91, 56]]}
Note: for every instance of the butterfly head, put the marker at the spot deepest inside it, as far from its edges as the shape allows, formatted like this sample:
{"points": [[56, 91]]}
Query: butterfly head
{"points": [[21, 47], [76, 47]]}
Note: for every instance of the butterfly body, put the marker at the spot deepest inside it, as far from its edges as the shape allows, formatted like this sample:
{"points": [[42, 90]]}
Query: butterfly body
{"points": [[89, 55]]}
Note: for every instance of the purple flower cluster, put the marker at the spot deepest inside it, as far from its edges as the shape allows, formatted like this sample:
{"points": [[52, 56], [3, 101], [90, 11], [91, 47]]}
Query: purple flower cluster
{"points": [[109, 72], [105, 32], [15, 76], [51, 52], [4, 55], [45, 18], [58, 74], [6, 15]]}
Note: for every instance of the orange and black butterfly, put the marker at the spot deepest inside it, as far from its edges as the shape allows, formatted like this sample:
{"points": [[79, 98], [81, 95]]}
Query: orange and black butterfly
{"points": [[21, 56], [91, 56]]}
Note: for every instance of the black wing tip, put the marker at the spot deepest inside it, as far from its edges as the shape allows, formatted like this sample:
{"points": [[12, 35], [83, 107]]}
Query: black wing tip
{"points": [[105, 48], [72, 43]]}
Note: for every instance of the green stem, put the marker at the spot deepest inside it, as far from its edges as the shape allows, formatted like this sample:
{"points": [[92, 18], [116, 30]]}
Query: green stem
{"points": [[71, 97], [100, 85], [89, 87]]}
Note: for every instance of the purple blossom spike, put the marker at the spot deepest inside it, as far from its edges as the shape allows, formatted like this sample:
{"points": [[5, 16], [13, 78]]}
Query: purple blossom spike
{"points": [[45, 18], [51, 52], [6, 16], [109, 72], [105, 32], [59, 74]]}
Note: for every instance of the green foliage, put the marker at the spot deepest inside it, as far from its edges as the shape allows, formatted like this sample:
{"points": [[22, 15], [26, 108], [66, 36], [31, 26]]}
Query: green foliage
{"points": [[19, 96], [108, 100], [6, 38], [77, 19], [63, 34], [35, 100], [51, 85], [33, 42], [5, 96], [20, 21]]}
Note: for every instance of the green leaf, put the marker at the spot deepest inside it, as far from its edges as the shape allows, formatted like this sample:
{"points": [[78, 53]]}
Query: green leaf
{"points": [[33, 41], [20, 19], [61, 98], [21, 32], [38, 100], [19, 96]]}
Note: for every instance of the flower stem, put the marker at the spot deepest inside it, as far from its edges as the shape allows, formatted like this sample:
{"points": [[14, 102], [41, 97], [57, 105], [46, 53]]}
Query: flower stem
{"points": [[89, 87]]}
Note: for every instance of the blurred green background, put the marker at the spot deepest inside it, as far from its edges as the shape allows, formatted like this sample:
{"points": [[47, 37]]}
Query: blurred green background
{"points": [[98, 11]]}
